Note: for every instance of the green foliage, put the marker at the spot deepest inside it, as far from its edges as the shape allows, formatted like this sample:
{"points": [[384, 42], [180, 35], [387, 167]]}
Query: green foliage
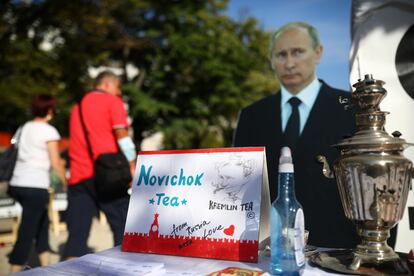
{"points": [[197, 67]]}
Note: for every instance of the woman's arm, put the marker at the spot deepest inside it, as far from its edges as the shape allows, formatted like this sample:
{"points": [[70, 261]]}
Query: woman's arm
{"points": [[58, 164]]}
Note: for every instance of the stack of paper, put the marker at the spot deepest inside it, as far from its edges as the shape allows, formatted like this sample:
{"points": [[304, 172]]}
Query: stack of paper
{"points": [[94, 264]]}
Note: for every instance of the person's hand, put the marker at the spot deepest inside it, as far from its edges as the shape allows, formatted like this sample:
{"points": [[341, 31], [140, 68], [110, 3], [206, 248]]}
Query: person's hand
{"points": [[62, 162], [63, 178], [132, 165], [65, 183]]}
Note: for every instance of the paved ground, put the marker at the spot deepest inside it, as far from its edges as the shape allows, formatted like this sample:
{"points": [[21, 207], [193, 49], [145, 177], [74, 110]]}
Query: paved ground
{"points": [[99, 239]]}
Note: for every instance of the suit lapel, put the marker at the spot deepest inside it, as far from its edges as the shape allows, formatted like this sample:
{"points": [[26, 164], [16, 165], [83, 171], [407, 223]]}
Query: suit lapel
{"points": [[274, 126], [314, 125]]}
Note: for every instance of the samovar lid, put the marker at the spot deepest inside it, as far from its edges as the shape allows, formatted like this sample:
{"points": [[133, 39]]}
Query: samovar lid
{"points": [[375, 141], [370, 120]]}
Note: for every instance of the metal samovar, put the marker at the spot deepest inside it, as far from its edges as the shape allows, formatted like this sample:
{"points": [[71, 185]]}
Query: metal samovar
{"points": [[372, 174]]}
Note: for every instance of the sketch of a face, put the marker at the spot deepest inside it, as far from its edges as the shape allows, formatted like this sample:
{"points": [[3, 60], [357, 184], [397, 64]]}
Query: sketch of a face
{"points": [[232, 175]]}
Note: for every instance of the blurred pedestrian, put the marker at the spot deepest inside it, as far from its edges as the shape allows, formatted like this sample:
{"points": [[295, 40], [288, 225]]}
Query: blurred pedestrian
{"points": [[38, 153], [105, 121]]}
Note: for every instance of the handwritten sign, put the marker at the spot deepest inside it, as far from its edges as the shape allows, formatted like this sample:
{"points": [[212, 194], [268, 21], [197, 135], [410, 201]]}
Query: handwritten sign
{"points": [[201, 203]]}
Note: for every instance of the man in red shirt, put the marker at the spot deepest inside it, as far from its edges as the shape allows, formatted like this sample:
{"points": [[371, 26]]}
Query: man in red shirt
{"points": [[105, 119]]}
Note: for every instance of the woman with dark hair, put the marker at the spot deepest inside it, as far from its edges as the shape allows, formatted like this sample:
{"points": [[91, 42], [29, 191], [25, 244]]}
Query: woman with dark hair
{"points": [[38, 153]]}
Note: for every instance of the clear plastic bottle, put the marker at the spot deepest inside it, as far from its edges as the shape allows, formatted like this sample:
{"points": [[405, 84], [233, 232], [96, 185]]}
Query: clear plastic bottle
{"points": [[286, 223]]}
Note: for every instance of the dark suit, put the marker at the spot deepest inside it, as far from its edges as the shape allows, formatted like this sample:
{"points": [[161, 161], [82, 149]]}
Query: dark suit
{"points": [[260, 125]]}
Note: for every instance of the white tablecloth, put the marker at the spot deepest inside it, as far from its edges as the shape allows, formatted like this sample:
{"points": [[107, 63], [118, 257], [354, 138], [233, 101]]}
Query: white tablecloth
{"points": [[97, 264]]}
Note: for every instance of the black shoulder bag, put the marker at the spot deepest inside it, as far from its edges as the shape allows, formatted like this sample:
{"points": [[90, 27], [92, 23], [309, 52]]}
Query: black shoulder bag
{"points": [[9, 157], [112, 171]]}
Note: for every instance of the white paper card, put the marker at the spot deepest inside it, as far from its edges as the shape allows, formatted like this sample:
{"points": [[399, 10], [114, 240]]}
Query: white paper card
{"points": [[204, 203]]}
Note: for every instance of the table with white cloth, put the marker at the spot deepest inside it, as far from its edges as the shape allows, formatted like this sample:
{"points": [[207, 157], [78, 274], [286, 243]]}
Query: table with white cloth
{"points": [[115, 262]]}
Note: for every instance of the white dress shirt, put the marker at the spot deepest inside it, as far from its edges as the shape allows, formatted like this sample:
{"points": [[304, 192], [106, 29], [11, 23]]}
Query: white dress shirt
{"points": [[307, 96]]}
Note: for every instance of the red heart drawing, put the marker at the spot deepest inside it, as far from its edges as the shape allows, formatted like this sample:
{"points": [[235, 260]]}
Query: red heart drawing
{"points": [[229, 231]]}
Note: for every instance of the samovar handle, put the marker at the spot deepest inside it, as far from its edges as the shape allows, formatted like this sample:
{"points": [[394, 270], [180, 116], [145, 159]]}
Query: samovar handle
{"points": [[398, 134], [326, 170]]}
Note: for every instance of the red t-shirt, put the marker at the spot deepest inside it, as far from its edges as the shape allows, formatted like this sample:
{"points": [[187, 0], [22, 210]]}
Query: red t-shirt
{"points": [[102, 113]]}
